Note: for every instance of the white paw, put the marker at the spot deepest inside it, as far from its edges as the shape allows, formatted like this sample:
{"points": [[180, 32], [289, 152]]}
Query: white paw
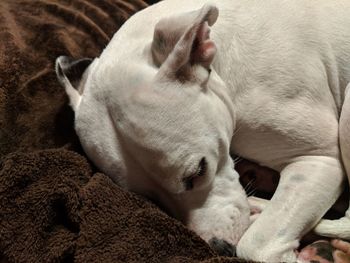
{"points": [[339, 228]]}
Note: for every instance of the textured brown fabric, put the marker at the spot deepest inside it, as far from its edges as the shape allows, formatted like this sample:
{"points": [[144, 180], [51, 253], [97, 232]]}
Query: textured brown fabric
{"points": [[33, 112], [53, 208]]}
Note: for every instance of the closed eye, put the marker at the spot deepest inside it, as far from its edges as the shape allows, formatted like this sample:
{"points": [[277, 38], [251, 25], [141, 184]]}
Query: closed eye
{"points": [[201, 171], [202, 167]]}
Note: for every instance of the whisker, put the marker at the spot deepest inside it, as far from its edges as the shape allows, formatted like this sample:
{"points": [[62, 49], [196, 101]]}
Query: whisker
{"points": [[253, 192], [248, 185], [236, 131], [238, 161], [237, 158]]}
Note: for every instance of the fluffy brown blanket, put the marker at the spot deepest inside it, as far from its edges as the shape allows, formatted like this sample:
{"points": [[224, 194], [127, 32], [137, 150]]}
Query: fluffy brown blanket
{"points": [[54, 207]]}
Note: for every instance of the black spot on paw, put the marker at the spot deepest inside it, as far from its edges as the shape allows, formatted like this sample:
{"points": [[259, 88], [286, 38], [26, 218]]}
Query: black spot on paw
{"points": [[324, 250]]}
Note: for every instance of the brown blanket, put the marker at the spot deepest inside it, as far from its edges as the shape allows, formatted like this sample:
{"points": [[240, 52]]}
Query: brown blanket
{"points": [[54, 207]]}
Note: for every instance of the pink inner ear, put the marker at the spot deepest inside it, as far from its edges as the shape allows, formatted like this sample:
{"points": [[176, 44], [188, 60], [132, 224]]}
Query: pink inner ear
{"points": [[204, 48], [203, 32], [208, 49]]}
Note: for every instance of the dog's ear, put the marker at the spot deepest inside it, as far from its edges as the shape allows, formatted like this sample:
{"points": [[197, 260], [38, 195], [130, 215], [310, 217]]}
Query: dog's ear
{"points": [[68, 69], [70, 74], [183, 40]]}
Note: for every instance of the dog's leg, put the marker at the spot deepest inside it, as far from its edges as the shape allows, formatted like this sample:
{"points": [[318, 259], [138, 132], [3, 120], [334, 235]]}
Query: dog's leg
{"points": [[308, 187], [320, 251], [330, 228], [340, 228]]}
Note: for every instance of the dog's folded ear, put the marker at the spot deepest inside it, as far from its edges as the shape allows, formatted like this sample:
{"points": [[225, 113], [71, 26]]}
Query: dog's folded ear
{"points": [[183, 40], [70, 74], [70, 69]]}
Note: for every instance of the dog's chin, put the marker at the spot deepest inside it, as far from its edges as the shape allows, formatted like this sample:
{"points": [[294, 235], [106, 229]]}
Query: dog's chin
{"points": [[227, 223], [222, 239]]}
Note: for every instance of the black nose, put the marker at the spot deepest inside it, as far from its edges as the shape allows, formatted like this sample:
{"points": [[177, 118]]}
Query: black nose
{"points": [[222, 247]]}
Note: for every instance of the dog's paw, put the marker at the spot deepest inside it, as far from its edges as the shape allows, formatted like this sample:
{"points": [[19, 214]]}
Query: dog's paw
{"points": [[342, 252], [319, 251], [339, 228], [323, 251]]}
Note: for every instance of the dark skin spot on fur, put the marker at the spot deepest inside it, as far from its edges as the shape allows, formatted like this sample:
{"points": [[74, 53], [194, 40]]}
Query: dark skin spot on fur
{"points": [[324, 250], [298, 178]]}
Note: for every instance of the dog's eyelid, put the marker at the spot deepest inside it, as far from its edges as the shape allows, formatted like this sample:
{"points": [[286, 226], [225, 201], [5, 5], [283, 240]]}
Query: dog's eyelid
{"points": [[199, 170], [202, 167]]}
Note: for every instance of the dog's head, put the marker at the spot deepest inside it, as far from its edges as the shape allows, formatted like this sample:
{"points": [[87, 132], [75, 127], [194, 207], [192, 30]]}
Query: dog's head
{"points": [[171, 119]]}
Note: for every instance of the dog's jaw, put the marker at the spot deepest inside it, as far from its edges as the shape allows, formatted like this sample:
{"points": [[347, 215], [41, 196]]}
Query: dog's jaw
{"points": [[227, 221]]}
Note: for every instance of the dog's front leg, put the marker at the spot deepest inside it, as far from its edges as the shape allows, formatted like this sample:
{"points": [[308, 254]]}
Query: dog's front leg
{"points": [[341, 228], [308, 187]]}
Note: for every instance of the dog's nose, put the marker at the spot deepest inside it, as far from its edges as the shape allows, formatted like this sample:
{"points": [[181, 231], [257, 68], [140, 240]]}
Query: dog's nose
{"points": [[222, 247]]}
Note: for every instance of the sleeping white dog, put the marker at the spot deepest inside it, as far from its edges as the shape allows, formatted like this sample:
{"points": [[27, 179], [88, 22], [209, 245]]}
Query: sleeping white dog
{"points": [[167, 101]]}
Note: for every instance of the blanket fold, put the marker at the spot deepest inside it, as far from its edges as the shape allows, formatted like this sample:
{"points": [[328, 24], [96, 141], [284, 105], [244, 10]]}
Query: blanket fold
{"points": [[54, 209]]}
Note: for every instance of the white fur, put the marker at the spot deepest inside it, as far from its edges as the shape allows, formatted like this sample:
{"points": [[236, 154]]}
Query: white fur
{"points": [[340, 228], [274, 96]]}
